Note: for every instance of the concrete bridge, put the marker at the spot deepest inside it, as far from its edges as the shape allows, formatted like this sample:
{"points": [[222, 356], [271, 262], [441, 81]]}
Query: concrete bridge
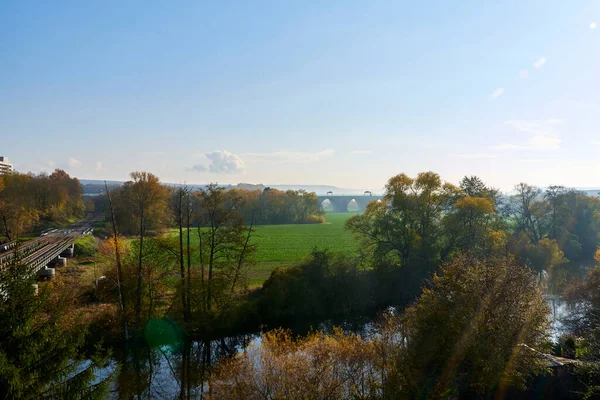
{"points": [[340, 203], [40, 256]]}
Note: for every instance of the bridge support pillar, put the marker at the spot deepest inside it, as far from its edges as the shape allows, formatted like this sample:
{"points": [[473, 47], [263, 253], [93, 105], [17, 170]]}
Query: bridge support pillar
{"points": [[69, 251], [60, 261], [340, 203], [46, 272], [362, 202]]}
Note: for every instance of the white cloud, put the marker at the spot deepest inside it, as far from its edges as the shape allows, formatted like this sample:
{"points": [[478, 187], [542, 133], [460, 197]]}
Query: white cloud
{"points": [[290, 156], [98, 166], [74, 163], [497, 93], [596, 142], [542, 127], [540, 62], [533, 160], [199, 168], [593, 25], [507, 146], [221, 162], [544, 134], [524, 74], [474, 155], [545, 143], [51, 164], [362, 152]]}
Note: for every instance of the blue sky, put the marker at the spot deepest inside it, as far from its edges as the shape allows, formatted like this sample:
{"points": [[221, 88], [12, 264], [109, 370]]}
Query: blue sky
{"points": [[346, 93]]}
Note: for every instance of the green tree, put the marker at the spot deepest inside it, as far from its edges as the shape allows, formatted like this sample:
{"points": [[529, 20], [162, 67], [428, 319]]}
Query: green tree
{"points": [[529, 212], [40, 348], [472, 225], [405, 226]]}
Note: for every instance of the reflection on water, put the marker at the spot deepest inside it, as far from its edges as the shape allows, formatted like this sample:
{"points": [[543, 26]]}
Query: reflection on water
{"points": [[559, 311], [166, 366], [169, 371], [555, 281]]}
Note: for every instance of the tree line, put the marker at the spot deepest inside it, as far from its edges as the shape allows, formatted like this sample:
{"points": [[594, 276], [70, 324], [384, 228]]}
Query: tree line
{"points": [[33, 201], [423, 221], [258, 207]]}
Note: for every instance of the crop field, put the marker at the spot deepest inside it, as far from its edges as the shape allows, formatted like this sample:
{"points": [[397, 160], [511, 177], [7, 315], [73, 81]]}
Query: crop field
{"points": [[287, 245]]}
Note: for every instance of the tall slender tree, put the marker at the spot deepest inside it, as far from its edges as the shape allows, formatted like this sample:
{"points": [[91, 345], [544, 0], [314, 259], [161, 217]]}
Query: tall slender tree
{"points": [[147, 195], [115, 236]]}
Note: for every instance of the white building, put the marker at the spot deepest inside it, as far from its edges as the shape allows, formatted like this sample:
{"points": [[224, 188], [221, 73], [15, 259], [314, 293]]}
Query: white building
{"points": [[5, 166]]}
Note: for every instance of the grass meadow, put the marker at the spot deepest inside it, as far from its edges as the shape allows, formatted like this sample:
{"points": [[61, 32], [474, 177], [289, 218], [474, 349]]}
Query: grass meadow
{"points": [[287, 245]]}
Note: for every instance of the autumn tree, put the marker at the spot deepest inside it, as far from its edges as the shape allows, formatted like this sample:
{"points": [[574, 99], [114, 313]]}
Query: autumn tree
{"points": [[272, 206], [29, 201], [476, 330], [320, 366], [148, 200], [473, 186], [17, 209], [117, 247]]}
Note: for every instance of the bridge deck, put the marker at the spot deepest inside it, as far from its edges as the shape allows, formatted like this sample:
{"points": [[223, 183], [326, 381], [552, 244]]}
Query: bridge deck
{"points": [[39, 252]]}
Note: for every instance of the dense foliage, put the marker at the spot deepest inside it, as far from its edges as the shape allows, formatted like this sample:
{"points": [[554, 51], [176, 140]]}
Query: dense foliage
{"points": [[553, 226], [471, 333], [28, 201], [272, 206], [324, 286]]}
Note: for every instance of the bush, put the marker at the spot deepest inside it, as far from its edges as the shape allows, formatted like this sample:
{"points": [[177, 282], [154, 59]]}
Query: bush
{"points": [[86, 246], [325, 286]]}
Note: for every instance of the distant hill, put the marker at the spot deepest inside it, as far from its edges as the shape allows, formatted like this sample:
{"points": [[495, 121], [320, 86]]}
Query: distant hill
{"points": [[94, 187]]}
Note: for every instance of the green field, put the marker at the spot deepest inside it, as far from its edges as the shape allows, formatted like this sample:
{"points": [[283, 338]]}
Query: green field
{"points": [[287, 245], [290, 243]]}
